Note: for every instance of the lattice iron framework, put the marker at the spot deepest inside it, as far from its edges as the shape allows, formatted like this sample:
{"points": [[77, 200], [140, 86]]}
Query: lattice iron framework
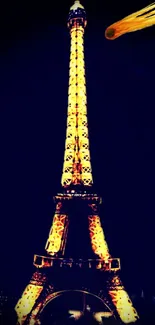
{"points": [[76, 172], [77, 165]]}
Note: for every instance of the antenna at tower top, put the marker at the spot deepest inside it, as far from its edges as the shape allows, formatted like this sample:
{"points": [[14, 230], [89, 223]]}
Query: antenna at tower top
{"points": [[76, 5]]}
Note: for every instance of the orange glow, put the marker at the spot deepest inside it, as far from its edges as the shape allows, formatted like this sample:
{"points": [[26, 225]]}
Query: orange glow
{"points": [[136, 21], [34, 320], [122, 302], [97, 237], [76, 170], [27, 301], [57, 236], [77, 165]]}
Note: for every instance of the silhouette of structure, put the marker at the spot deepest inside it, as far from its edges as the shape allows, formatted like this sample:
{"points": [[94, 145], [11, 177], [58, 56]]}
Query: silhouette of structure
{"points": [[77, 253]]}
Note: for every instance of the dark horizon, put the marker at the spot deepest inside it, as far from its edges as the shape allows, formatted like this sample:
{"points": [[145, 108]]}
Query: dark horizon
{"points": [[34, 65]]}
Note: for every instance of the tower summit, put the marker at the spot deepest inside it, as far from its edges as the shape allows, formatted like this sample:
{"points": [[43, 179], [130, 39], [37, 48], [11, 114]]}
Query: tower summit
{"points": [[77, 166]]}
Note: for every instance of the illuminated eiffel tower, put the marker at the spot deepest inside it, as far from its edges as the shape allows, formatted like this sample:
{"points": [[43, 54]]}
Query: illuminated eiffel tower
{"points": [[77, 255]]}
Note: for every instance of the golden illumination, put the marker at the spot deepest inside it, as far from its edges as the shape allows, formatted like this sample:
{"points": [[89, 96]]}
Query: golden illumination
{"points": [[57, 236], [97, 237], [77, 165], [136, 21], [76, 170], [34, 320], [122, 302], [27, 301]]}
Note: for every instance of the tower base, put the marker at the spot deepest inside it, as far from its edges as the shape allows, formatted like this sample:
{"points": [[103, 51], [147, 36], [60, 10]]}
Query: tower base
{"points": [[54, 277]]}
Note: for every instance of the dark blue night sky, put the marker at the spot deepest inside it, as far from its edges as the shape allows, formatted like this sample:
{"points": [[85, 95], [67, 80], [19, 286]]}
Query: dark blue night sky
{"points": [[34, 61]]}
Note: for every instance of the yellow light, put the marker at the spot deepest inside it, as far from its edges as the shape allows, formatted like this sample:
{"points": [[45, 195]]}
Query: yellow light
{"points": [[27, 301], [122, 302], [76, 170], [97, 237], [57, 235], [77, 165]]}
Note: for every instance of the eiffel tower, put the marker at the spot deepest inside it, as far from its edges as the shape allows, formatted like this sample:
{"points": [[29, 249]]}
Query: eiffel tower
{"points": [[77, 256]]}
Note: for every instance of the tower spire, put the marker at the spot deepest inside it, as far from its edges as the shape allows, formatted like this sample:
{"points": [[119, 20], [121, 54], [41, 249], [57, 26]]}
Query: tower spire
{"points": [[76, 5], [77, 166]]}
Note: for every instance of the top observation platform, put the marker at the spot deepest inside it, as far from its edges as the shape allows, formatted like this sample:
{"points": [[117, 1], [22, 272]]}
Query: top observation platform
{"points": [[77, 14]]}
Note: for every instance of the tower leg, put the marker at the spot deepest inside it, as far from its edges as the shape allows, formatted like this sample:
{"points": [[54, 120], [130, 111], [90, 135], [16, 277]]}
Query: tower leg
{"points": [[121, 300], [46, 296], [29, 297], [58, 233], [98, 242], [35, 297], [116, 290]]}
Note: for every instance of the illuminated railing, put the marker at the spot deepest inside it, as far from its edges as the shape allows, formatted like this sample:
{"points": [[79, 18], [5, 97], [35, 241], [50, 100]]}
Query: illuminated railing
{"points": [[77, 195], [113, 264]]}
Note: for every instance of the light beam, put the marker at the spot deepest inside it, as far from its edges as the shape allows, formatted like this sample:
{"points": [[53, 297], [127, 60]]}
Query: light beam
{"points": [[136, 21]]}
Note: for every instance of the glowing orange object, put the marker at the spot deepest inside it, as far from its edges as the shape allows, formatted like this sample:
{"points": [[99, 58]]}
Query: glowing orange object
{"points": [[122, 301], [97, 238], [136, 21], [77, 165], [57, 236], [26, 303], [76, 171], [30, 295]]}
